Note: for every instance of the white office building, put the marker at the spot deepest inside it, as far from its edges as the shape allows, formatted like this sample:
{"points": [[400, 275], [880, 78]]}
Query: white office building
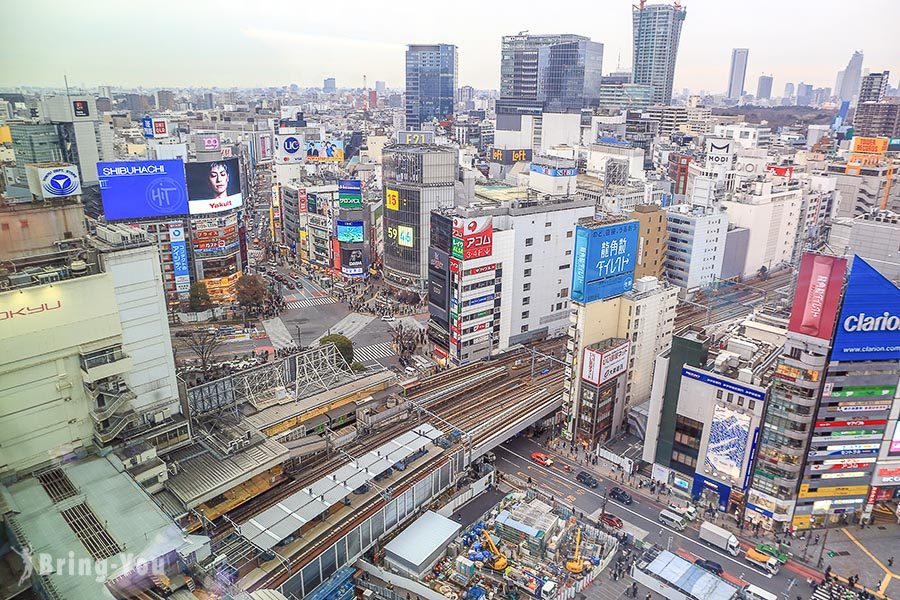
{"points": [[696, 245]]}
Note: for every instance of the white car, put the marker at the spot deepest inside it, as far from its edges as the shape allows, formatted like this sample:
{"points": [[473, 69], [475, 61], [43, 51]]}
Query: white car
{"points": [[388, 318]]}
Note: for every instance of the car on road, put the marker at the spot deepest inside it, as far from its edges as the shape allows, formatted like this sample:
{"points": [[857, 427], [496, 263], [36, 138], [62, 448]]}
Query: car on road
{"points": [[709, 565], [388, 318], [587, 479], [620, 495], [290, 285], [773, 552], [611, 521], [541, 459]]}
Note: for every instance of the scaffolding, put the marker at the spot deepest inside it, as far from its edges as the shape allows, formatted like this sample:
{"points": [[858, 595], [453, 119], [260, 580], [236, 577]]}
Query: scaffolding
{"points": [[319, 369]]}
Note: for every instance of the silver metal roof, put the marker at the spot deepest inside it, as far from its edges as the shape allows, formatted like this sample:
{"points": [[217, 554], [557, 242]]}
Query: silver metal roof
{"points": [[275, 524]]}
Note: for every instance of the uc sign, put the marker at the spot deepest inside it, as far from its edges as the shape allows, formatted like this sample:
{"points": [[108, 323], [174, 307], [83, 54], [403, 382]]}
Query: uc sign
{"points": [[291, 145]]}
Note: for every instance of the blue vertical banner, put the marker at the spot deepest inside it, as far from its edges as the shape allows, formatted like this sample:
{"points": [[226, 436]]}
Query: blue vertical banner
{"points": [[179, 259], [605, 258]]}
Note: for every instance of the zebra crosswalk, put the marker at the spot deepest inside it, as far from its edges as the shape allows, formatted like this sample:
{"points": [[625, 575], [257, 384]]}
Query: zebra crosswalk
{"points": [[373, 352], [307, 302]]}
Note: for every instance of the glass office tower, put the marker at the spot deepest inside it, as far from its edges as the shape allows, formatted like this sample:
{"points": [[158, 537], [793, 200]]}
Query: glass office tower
{"points": [[431, 82]]}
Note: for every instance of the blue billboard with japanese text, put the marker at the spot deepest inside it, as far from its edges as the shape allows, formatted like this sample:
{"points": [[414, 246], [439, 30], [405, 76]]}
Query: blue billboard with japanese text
{"points": [[605, 258], [179, 259], [869, 325]]}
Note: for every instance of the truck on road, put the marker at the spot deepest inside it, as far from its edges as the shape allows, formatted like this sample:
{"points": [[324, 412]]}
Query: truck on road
{"points": [[720, 538], [763, 561]]}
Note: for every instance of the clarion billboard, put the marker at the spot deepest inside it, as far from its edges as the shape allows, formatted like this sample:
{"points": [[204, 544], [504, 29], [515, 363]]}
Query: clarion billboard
{"points": [[817, 295], [869, 324]]}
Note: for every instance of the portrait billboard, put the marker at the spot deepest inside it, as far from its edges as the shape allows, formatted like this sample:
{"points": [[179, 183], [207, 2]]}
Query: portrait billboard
{"points": [[179, 259], [604, 260], [869, 324], [817, 295], [350, 193], [352, 262], [142, 189], [729, 434], [213, 186], [289, 149], [324, 150], [350, 231]]}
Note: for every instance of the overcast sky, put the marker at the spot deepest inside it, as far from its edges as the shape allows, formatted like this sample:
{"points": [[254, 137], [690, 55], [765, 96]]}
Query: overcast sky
{"points": [[227, 43]]}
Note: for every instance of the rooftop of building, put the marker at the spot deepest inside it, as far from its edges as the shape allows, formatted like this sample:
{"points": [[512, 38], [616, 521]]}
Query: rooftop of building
{"points": [[603, 220], [84, 511], [419, 148], [425, 536]]}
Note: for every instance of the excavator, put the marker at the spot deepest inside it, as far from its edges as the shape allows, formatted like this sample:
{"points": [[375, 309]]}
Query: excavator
{"points": [[576, 565], [497, 562]]}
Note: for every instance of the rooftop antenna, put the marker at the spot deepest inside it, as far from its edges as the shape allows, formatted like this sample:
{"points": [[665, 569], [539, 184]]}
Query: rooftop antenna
{"points": [[68, 97]]}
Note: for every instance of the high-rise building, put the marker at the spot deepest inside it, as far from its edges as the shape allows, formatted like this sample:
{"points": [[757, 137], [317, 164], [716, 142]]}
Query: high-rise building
{"points": [[877, 119], [652, 236], [33, 143], [657, 31], [851, 78], [83, 141], [804, 94], [417, 179], [788, 90], [381, 88], [556, 72], [837, 84], [696, 245], [329, 86], [431, 75], [874, 87], [165, 100], [737, 73], [764, 87]]}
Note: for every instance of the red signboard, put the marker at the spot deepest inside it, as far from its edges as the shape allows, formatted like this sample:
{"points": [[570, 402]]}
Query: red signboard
{"points": [[817, 296], [454, 265], [480, 270], [858, 423], [478, 237], [781, 171]]}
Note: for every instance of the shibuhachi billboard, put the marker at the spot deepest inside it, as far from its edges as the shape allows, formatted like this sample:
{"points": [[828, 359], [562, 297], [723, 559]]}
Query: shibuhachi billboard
{"points": [[817, 296], [869, 325]]}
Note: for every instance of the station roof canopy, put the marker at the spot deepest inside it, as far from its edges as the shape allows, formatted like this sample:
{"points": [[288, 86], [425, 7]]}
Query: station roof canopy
{"points": [[273, 525]]}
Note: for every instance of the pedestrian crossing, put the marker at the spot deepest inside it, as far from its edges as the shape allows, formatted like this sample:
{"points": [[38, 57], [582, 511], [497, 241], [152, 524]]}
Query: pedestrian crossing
{"points": [[373, 352], [308, 302]]}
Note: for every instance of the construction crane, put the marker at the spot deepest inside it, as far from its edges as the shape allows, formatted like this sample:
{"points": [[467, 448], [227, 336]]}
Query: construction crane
{"points": [[576, 565], [498, 561]]}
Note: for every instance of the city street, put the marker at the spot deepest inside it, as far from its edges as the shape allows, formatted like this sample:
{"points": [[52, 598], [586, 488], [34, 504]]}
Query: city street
{"points": [[514, 458]]}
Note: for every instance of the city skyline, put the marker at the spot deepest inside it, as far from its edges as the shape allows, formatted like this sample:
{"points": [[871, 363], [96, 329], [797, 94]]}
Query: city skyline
{"points": [[250, 52]]}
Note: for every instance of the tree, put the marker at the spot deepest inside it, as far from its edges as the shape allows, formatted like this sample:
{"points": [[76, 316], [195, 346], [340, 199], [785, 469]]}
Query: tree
{"points": [[344, 345], [198, 297], [204, 344], [252, 291]]}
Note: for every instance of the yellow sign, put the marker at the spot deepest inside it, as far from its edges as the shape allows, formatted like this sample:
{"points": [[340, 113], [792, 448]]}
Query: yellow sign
{"points": [[392, 199], [870, 145], [802, 522], [826, 492], [5, 136]]}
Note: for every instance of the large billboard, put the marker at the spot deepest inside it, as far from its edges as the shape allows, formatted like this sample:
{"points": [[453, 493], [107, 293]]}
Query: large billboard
{"points": [[352, 262], [350, 231], [57, 181], [213, 186], [439, 285], [869, 325], [817, 295], [207, 141], [598, 366], [604, 261], [289, 149], [324, 150], [474, 237], [142, 189], [729, 435], [554, 172], [505, 156], [350, 193], [179, 259]]}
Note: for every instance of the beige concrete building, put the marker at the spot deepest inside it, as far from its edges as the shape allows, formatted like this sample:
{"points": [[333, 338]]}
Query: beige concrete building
{"points": [[652, 238]]}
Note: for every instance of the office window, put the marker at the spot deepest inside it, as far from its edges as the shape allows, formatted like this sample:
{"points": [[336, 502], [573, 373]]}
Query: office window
{"points": [[564, 293], [524, 328], [547, 238], [568, 234], [526, 300], [528, 258], [527, 272], [524, 314], [529, 241], [719, 394], [526, 287], [548, 224], [563, 267]]}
